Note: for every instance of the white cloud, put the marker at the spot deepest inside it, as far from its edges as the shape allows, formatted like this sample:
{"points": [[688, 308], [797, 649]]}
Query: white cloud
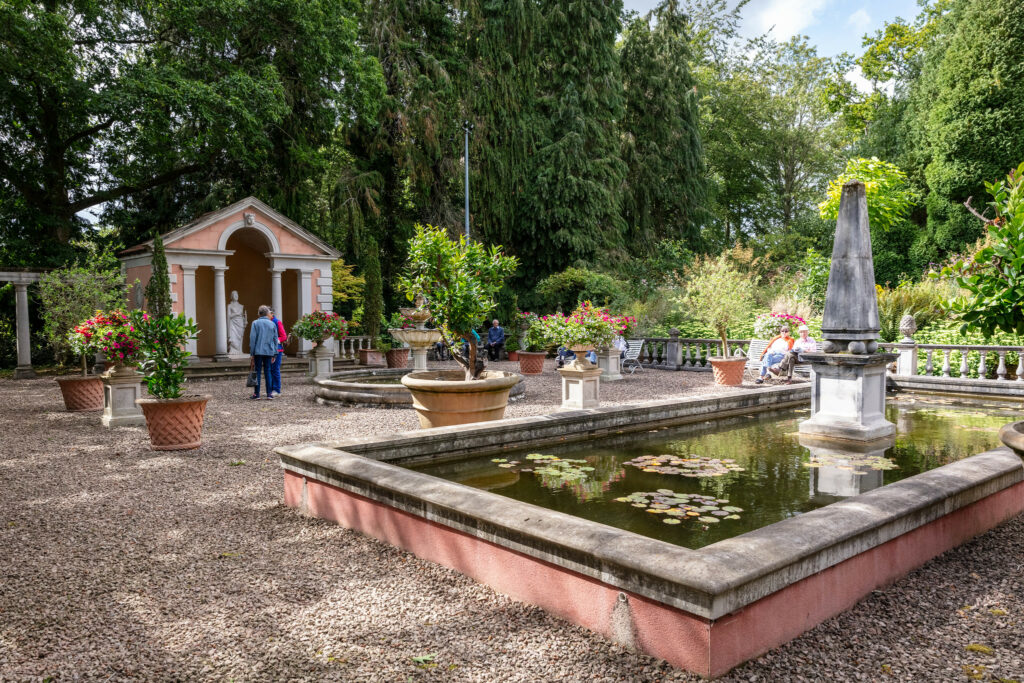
{"points": [[859, 20], [856, 76], [786, 18]]}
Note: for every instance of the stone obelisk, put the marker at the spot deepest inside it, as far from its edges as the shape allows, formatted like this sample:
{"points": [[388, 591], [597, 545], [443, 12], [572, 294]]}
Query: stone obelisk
{"points": [[848, 378]]}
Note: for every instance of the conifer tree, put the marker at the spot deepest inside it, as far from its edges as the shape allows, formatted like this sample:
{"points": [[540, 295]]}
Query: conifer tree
{"points": [[665, 190], [158, 289], [573, 201]]}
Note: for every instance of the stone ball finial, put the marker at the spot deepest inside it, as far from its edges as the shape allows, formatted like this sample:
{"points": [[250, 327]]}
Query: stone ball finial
{"points": [[908, 326]]}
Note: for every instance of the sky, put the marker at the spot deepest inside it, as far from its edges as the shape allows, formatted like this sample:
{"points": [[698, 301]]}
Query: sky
{"points": [[833, 26]]}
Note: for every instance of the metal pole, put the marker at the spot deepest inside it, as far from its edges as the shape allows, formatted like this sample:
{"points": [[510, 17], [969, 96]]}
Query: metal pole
{"points": [[467, 126]]}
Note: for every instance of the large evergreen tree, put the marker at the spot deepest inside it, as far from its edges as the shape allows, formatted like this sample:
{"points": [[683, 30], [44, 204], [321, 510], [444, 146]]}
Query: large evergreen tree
{"points": [[665, 191], [574, 196]]}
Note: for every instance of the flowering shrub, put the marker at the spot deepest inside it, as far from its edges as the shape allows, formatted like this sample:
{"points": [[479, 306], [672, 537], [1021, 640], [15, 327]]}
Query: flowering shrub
{"points": [[767, 325], [587, 326], [112, 333], [320, 325]]}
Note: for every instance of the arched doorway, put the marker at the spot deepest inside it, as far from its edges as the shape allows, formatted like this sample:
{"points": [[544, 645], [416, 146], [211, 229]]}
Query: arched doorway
{"points": [[248, 273]]}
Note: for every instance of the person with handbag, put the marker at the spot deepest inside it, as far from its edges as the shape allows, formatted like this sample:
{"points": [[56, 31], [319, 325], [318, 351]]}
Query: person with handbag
{"points": [[262, 350]]}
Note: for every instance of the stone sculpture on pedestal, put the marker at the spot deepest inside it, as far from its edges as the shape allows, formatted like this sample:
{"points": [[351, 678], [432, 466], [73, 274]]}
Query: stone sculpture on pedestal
{"points": [[236, 325], [848, 379]]}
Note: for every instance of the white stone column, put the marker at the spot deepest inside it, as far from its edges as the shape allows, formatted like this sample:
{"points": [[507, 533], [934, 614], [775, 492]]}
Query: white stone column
{"points": [[24, 369], [275, 292], [188, 282], [305, 289], [220, 314]]}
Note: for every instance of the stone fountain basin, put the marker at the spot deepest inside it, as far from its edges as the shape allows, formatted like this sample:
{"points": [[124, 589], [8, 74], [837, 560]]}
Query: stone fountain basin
{"points": [[414, 337], [368, 387]]}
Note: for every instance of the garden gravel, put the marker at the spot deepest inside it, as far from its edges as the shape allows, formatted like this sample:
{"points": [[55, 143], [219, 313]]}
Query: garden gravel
{"points": [[121, 563]]}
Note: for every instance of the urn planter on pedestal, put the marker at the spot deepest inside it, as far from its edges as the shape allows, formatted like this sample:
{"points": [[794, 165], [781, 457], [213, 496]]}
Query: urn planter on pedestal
{"points": [[532, 362], [122, 386], [175, 424], [419, 338], [444, 397], [81, 394], [321, 361], [728, 371]]}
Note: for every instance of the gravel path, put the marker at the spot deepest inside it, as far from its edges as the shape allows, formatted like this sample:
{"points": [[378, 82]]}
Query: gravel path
{"points": [[117, 562]]}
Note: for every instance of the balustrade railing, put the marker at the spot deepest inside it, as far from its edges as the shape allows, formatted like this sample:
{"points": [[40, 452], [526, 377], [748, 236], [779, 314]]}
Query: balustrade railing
{"points": [[961, 361], [681, 353], [348, 348]]}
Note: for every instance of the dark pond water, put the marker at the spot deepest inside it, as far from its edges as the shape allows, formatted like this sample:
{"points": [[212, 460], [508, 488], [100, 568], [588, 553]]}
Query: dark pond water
{"points": [[697, 484]]}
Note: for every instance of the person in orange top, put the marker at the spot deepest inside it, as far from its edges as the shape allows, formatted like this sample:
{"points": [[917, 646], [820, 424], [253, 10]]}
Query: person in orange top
{"points": [[778, 347]]}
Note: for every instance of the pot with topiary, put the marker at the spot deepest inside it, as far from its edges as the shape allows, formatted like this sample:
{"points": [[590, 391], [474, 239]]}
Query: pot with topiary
{"points": [[512, 348], [458, 281], [174, 420], [720, 296], [318, 327], [70, 296]]}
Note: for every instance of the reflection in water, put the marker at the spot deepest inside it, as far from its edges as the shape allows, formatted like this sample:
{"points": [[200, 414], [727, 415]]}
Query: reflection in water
{"points": [[779, 473]]}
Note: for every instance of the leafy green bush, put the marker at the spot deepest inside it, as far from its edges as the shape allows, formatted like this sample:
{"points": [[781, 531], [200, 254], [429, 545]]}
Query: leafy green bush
{"points": [[888, 192], [562, 291], [813, 284], [923, 300], [719, 295], [162, 348], [69, 296]]}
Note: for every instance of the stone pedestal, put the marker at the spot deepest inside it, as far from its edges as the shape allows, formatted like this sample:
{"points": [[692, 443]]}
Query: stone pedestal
{"points": [[121, 386], [848, 396], [581, 385], [906, 364], [321, 362], [609, 360], [419, 340]]}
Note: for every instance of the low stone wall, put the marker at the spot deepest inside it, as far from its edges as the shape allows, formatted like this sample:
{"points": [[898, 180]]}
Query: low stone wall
{"points": [[704, 610], [995, 388]]}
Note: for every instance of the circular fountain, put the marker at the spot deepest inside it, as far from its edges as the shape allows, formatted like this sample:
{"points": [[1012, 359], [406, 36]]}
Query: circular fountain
{"points": [[418, 338]]}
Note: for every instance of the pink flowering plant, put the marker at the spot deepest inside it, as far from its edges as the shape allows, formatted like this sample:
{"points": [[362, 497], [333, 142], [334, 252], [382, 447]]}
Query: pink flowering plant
{"points": [[111, 333], [767, 325], [587, 327], [320, 325]]}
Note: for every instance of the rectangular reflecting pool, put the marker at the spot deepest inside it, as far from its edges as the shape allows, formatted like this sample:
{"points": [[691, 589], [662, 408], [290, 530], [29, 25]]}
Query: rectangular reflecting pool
{"points": [[699, 484], [703, 530]]}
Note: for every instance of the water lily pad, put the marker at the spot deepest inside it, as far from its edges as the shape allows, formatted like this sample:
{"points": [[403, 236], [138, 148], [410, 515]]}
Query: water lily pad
{"points": [[499, 460], [506, 464], [708, 520], [693, 466], [732, 508], [670, 520], [720, 513]]}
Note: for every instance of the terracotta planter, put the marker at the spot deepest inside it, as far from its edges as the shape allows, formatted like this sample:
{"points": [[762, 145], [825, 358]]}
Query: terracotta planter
{"points": [[532, 362], [513, 355], [175, 424], [81, 393], [443, 397], [728, 371], [397, 358], [371, 357], [1012, 435]]}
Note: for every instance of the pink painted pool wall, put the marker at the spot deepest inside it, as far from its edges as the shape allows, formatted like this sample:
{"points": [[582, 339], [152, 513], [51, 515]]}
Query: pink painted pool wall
{"points": [[709, 648]]}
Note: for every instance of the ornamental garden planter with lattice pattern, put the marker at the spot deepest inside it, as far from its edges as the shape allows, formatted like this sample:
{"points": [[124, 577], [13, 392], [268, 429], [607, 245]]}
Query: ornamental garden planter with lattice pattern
{"points": [[175, 424]]}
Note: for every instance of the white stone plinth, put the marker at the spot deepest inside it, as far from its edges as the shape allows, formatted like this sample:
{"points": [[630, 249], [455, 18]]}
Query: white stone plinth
{"points": [[121, 386], [581, 385], [609, 360], [321, 362], [848, 396], [907, 363]]}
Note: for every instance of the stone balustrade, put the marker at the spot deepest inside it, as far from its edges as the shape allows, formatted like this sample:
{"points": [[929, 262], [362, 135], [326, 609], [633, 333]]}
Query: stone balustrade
{"points": [[348, 348], [681, 353], [962, 361]]}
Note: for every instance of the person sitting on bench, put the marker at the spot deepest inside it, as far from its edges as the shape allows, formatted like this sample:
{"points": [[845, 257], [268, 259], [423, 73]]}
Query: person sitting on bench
{"points": [[773, 354], [804, 344]]}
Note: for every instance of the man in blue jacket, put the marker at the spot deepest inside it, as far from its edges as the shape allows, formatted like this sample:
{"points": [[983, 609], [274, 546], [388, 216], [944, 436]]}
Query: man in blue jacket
{"points": [[495, 340], [263, 349]]}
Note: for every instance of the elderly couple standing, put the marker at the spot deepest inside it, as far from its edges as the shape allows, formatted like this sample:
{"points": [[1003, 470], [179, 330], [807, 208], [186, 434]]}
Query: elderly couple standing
{"points": [[266, 349]]}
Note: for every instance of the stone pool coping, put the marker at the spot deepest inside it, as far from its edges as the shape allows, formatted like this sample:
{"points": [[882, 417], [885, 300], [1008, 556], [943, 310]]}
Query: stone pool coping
{"points": [[718, 585]]}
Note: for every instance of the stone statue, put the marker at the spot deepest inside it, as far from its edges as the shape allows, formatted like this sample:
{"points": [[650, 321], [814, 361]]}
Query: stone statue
{"points": [[236, 325]]}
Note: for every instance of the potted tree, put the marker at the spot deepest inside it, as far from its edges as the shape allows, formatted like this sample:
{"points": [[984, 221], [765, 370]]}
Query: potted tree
{"points": [[458, 280], [719, 296], [174, 421], [395, 355], [512, 348], [318, 327], [69, 296], [533, 349]]}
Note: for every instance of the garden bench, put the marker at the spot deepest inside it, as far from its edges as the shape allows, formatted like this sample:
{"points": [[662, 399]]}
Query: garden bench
{"points": [[753, 354], [633, 348]]}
